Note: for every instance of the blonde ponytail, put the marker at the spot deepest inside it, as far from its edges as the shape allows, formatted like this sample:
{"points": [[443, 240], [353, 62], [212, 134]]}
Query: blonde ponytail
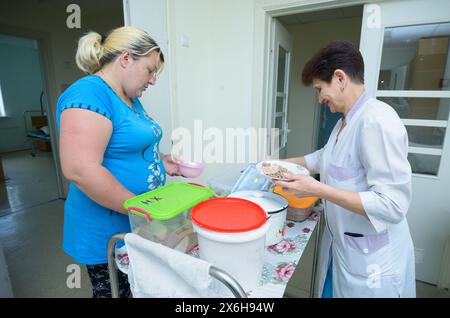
{"points": [[89, 52], [94, 51]]}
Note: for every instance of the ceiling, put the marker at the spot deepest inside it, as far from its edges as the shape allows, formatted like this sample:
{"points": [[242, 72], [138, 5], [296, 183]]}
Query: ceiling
{"points": [[323, 15], [406, 36]]}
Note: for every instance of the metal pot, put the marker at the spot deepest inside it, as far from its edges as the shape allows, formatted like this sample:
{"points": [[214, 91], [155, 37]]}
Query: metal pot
{"points": [[276, 208]]}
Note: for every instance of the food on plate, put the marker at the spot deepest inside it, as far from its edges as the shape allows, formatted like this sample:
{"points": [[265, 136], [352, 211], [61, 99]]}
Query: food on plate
{"points": [[276, 169], [273, 170]]}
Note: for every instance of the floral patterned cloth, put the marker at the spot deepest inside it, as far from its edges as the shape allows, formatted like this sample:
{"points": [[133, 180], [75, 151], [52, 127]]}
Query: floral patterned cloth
{"points": [[281, 259]]}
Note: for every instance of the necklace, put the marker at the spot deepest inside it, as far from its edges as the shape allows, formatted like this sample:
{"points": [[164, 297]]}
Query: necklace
{"points": [[132, 107], [128, 102]]}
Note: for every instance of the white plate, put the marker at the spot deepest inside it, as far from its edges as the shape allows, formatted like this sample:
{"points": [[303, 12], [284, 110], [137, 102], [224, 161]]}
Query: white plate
{"points": [[291, 167]]}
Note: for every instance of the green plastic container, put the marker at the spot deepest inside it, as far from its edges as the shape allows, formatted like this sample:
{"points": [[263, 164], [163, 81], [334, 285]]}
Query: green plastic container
{"points": [[162, 215]]}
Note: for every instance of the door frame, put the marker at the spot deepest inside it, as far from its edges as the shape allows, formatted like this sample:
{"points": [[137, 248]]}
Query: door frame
{"points": [[264, 19], [49, 87], [281, 38]]}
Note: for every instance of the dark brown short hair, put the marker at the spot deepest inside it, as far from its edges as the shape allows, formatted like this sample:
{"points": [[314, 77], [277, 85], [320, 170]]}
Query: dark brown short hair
{"points": [[336, 55]]}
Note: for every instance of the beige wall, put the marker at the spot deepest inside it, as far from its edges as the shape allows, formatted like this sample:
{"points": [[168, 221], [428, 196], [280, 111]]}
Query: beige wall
{"points": [[303, 116], [212, 78]]}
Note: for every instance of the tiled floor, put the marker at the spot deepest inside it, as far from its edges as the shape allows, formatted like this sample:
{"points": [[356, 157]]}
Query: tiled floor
{"points": [[31, 231], [37, 266], [31, 218], [425, 290], [29, 180]]}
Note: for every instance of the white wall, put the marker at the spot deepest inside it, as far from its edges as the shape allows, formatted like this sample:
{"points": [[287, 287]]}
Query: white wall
{"points": [[213, 78], [209, 78], [303, 107], [152, 17]]}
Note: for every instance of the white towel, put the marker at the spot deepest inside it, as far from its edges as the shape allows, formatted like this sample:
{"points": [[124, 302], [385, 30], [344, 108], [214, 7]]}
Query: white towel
{"points": [[158, 271]]}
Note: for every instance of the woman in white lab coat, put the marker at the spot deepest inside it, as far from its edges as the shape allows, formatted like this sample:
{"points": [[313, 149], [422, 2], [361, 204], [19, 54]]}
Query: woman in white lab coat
{"points": [[365, 183]]}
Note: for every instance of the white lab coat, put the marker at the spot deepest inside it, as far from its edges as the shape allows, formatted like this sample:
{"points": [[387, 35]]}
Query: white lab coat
{"points": [[370, 158]]}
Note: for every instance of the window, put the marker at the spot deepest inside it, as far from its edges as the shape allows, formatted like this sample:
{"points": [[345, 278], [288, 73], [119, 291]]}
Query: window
{"points": [[281, 97], [2, 105], [414, 79]]}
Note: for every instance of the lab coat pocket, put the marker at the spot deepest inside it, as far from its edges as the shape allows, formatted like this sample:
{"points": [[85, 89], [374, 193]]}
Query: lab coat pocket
{"points": [[367, 253], [348, 174]]}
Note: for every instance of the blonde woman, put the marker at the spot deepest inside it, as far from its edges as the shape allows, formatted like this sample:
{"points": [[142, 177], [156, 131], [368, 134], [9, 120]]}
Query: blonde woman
{"points": [[109, 145]]}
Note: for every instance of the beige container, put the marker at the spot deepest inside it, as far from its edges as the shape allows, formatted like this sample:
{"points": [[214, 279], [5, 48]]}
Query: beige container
{"points": [[298, 214]]}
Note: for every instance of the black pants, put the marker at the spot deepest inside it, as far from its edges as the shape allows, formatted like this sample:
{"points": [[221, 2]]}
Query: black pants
{"points": [[101, 287]]}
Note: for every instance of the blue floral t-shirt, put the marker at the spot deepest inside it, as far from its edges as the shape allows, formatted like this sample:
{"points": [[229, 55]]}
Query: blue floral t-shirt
{"points": [[132, 156]]}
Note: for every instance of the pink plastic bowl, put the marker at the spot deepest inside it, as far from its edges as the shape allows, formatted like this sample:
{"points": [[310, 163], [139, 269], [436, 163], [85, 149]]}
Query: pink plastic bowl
{"points": [[191, 169]]}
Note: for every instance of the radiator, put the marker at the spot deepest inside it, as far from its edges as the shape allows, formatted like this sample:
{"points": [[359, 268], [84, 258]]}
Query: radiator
{"points": [[444, 274]]}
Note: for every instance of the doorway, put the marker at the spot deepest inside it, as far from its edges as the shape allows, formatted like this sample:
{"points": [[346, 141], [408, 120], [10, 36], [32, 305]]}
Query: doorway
{"points": [[310, 124], [29, 172], [306, 125]]}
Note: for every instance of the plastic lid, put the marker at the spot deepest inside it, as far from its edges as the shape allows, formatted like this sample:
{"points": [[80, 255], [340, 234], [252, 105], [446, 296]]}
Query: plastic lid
{"points": [[228, 215], [294, 201], [270, 202], [169, 200]]}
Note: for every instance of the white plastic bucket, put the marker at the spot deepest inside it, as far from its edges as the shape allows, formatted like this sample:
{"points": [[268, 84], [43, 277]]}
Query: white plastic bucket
{"points": [[239, 254], [231, 235]]}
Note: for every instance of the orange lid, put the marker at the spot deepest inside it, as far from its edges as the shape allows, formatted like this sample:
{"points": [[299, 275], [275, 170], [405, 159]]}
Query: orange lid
{"points": [[294, 201], [228, 215]]}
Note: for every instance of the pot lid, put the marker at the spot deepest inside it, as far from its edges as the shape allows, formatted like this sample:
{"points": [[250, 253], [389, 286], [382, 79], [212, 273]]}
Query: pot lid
{"points": [[270, 202], [228, 215]]}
